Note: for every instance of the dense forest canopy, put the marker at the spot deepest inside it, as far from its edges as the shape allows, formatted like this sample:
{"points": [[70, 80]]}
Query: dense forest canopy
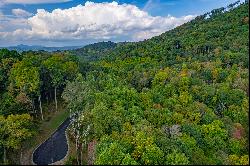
{"points": [[178, 98]]}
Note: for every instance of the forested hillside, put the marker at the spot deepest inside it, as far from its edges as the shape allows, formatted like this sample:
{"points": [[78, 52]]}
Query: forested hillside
{"points": [[94, 51], [178, 98], [198, 38]]}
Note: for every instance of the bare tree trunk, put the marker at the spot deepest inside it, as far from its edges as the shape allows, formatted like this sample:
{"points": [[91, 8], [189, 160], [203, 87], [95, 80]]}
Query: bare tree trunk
{"points": [[33, 107], [47, 97], [55, 99], [77, 151], [77, 135], [4, 155], [80, 147], [50, 95], [21, 155], [40, 105]]}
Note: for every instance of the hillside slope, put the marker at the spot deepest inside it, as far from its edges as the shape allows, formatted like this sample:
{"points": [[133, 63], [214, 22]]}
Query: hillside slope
{"points": [[227, 30], [178, 98]]}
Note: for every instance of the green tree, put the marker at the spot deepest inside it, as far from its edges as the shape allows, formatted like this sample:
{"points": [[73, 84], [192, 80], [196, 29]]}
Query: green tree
{"points": [[54, 65], [215, 135], [176, 158], [14, 130], [26, 79], [113, 155], [60, 69]]}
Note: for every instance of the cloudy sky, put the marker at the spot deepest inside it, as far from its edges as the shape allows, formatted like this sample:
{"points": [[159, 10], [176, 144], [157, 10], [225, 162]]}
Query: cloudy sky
{"points": [[80, 22]]}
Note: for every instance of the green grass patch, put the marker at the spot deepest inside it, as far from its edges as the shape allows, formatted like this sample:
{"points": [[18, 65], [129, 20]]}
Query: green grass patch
{"points": [[57, 120]]}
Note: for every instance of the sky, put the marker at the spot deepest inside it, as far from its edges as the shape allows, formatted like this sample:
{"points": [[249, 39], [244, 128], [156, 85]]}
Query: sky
{"points": [[81, 22]]}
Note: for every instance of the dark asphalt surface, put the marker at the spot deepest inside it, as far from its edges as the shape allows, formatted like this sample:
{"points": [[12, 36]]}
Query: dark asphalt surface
{"points": [[54, 148]]}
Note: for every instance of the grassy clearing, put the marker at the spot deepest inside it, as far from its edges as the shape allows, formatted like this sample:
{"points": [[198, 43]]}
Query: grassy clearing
{"points": [[57, 120]]}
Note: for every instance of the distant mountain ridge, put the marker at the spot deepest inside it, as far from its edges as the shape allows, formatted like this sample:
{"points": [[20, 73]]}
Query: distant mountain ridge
{"points": [[84, 50], [23, 47]]}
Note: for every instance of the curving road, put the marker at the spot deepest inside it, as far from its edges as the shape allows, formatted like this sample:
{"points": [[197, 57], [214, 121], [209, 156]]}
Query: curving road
{"points": [[54, 148]]}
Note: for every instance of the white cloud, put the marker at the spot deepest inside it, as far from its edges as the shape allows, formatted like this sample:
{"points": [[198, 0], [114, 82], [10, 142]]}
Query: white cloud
{"points": [[21, 13], [98, 21], [32, 1]]}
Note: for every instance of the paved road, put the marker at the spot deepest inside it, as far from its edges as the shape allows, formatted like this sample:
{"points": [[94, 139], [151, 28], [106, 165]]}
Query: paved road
{"points": [[54, 148]]}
